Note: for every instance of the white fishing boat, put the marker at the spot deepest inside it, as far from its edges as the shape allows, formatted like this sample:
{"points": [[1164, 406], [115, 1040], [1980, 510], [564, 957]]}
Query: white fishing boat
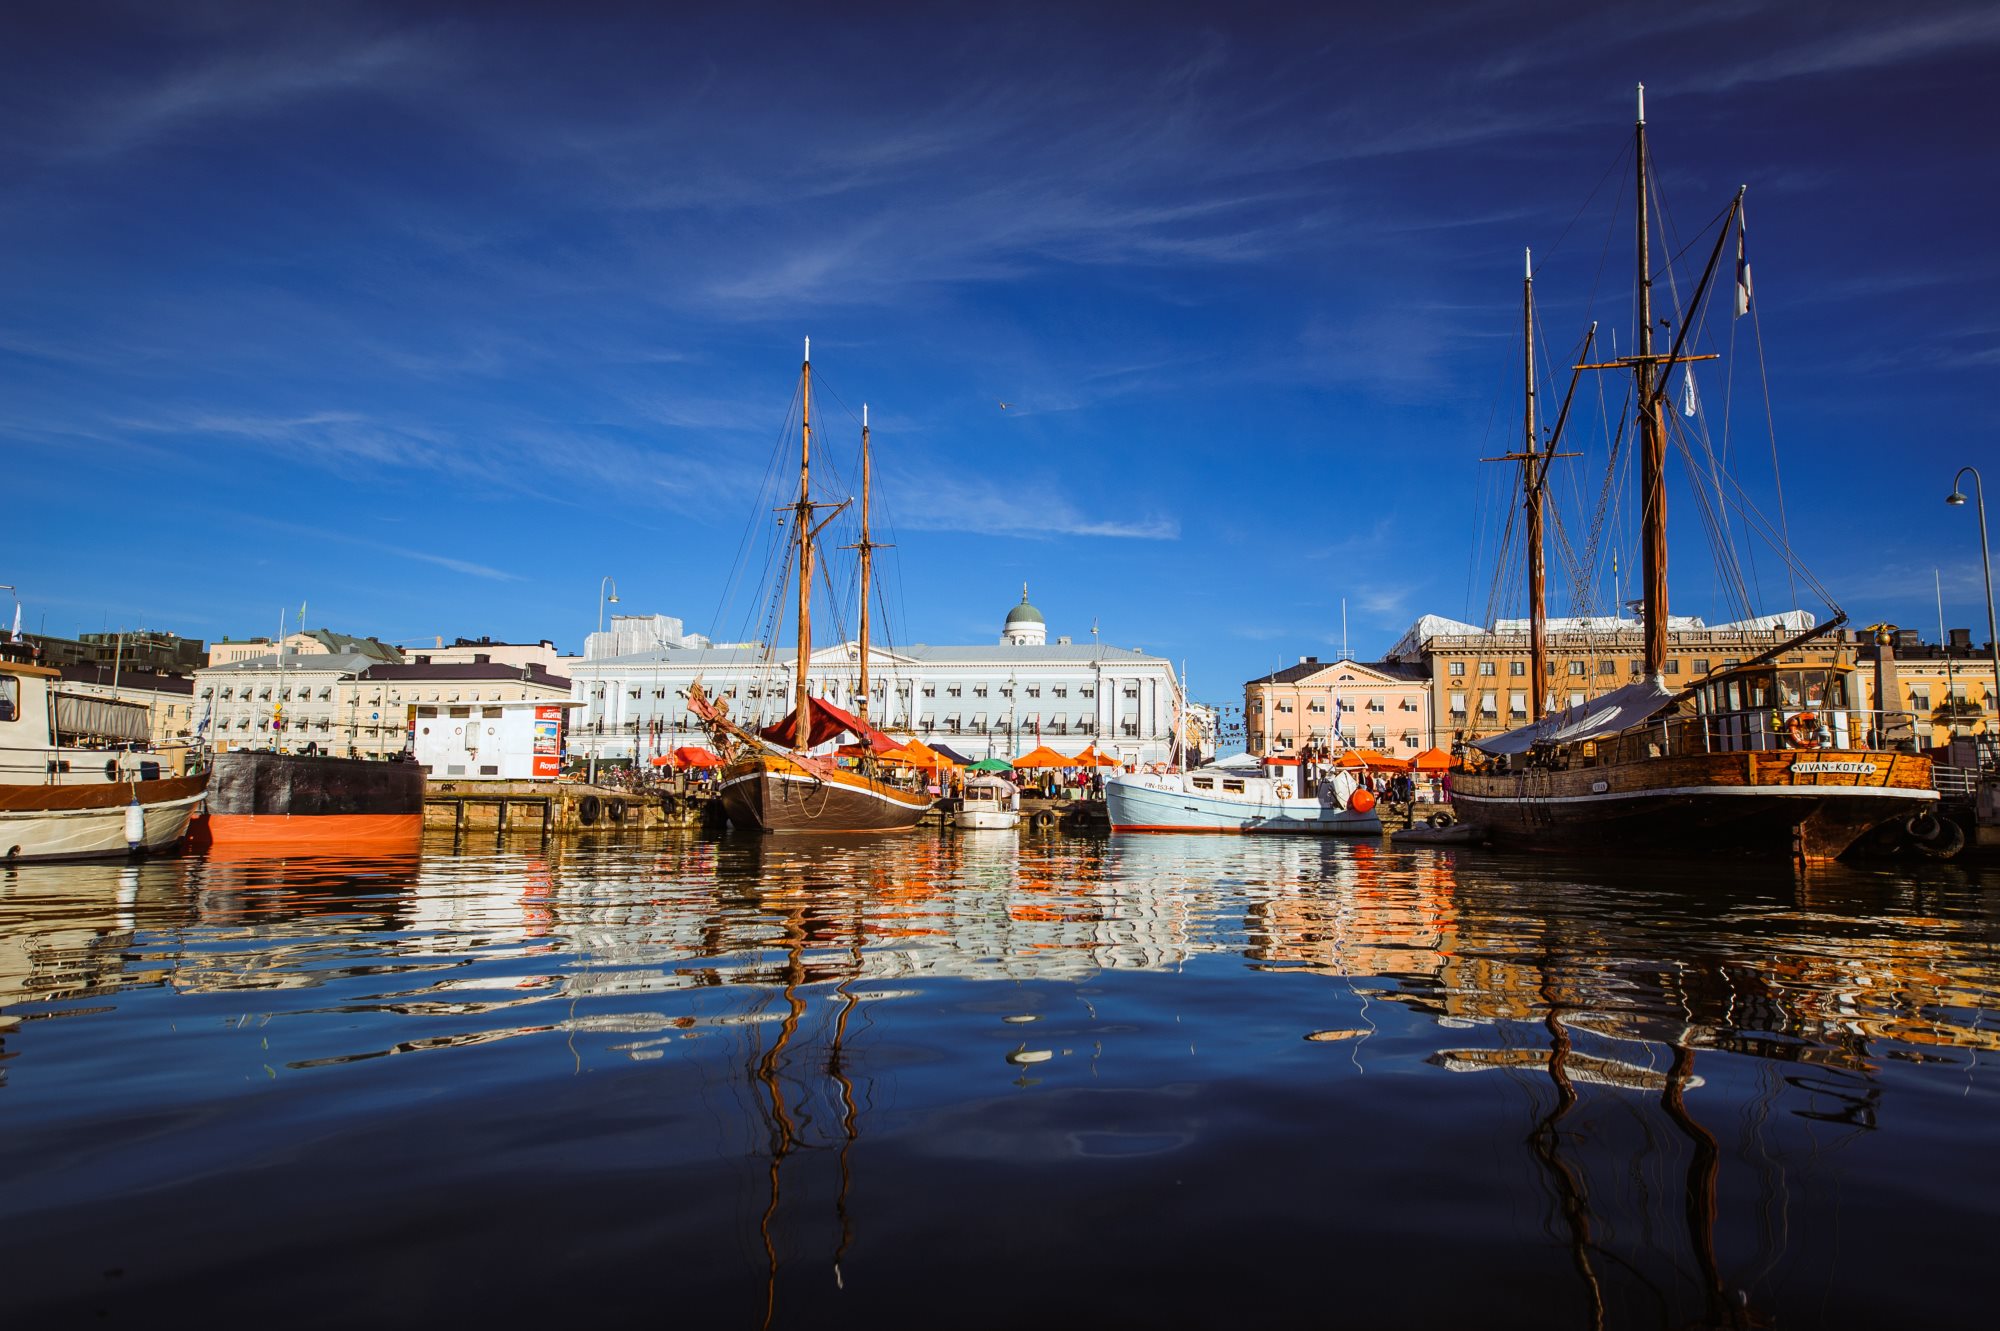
{"points": [[1242, 797], [61, 800], [991, 803]]}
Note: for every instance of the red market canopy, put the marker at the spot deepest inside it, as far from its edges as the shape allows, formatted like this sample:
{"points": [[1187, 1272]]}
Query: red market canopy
{"points": [[826, 722], [661, 760], [690, 755]]}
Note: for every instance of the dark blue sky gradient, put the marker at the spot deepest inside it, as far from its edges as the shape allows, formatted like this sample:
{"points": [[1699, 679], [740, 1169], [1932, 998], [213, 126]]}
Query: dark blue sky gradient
{"points": [[432, 316]]}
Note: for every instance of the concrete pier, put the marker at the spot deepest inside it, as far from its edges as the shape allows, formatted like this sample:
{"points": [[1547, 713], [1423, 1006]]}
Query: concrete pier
{"points": [[549, 809]]}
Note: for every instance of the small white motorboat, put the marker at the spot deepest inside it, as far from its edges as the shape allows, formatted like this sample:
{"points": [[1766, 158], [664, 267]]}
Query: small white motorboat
{"points": [[991, 804], [1242, 795]]}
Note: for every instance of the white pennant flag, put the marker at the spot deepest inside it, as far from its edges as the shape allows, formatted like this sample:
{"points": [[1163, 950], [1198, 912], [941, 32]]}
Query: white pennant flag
{"points": [[1742, 267], [1689, 406]]}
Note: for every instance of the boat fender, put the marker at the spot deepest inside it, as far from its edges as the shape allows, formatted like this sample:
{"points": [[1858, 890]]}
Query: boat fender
{"points": [[1283, 791], [616, 808], [1361, 801], [110, 769], [1924, 825], [1949, 840], [586, 810], [1044, 820], [1804, 730], [1440, 820], [135, 826]]}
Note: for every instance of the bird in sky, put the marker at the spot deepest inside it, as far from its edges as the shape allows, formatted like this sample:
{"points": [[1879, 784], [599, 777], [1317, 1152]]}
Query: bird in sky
{"points": [[1004, 405]]}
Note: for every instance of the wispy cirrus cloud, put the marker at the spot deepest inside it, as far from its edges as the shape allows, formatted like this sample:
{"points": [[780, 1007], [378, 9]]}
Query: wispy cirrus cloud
{"points": [[456, 565], [1904, 37], [1026, 508]]}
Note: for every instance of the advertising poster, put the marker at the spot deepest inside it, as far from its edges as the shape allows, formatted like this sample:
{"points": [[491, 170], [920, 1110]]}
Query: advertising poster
{"points": [[548, 741]]}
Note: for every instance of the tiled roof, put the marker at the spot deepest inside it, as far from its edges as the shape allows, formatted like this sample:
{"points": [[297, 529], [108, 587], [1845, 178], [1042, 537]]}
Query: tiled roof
{"points": [[465, 670], [1393, 670], [136, 680]]}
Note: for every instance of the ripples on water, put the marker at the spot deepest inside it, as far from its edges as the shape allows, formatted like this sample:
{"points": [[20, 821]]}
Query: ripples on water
{"points": [[980, 1081]]}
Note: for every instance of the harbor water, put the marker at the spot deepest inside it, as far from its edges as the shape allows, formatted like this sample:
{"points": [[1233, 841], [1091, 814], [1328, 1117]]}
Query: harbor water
{"points": [[985, 1080]]}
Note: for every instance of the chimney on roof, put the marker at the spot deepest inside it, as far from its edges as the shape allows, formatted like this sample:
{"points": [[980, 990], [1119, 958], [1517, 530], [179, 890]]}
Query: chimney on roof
{"points": [[482, 658], [1308, 660], [1961, 640], [538, 668]]}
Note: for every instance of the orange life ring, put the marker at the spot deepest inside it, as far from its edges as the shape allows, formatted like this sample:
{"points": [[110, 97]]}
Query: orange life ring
{"points": [[1803, 729]]}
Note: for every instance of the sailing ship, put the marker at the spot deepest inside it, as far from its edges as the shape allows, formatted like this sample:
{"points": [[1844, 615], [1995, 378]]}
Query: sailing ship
{"points": [[771, 778], [61, 800], [1743, 758]]}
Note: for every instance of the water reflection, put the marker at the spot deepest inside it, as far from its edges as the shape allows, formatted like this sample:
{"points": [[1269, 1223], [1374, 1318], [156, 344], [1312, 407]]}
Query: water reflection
{"points": [[1620, 1096]]}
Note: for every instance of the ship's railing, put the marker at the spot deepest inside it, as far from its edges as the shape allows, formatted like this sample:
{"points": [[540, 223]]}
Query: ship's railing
{"points": [[1759, 730], [1955, 783]]}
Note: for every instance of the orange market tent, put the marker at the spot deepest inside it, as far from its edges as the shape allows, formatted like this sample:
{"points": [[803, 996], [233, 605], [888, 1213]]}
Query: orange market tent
{"points": [[1090, 757], [916, 753], [1432, 760], [692, 755], [661, 760], [1369, 758], [1043, 756]]}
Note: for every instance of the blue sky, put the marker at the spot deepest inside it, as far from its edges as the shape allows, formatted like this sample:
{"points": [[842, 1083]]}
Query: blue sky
{"points": [[432, 316]]}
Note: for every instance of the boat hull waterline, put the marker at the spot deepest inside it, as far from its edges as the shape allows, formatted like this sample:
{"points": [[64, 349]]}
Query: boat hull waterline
{"points": [[286, 803], [89, 822], [771, 794], [1749, 803], [1161, 804]]}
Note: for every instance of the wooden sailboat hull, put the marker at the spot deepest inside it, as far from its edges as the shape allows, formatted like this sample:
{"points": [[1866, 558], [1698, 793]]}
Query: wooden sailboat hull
{"points": [[1811, 804], [773, 794], [90, 821]]}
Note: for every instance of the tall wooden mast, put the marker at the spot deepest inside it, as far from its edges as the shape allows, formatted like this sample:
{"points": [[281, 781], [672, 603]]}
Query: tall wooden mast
{"points": [[801, 729], [867, 550], [1653, 439], [1533, 470]]}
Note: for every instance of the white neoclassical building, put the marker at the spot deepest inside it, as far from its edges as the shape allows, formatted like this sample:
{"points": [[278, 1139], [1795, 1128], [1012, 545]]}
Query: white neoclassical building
{"points": [[980, 701]]}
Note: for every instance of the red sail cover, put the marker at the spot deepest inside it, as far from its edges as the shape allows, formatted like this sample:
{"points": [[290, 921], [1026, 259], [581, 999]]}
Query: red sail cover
{"points": [[827, 721]]}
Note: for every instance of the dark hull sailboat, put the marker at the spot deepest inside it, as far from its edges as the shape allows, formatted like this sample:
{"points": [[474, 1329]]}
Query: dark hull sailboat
{"points": [[1812, 808], [772, 780], [1752, 758], [775, 793]]}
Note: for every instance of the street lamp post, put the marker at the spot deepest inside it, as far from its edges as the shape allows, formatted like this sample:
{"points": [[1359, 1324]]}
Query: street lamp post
{"points": [[610, 585], [1957, 496], [607, 584]]}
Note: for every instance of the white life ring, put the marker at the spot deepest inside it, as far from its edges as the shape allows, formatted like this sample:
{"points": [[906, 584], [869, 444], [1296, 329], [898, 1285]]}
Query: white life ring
{"points": [[1284, 790]]}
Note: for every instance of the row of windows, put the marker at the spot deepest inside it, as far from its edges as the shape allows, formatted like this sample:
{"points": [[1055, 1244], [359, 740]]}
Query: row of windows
{"points": [[1374, 739], [1318, 707], [1700, 665]]}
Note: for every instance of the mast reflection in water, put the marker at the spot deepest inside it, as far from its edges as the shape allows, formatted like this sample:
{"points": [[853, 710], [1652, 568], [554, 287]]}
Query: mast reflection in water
{"points": [[1159, 1081]]}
